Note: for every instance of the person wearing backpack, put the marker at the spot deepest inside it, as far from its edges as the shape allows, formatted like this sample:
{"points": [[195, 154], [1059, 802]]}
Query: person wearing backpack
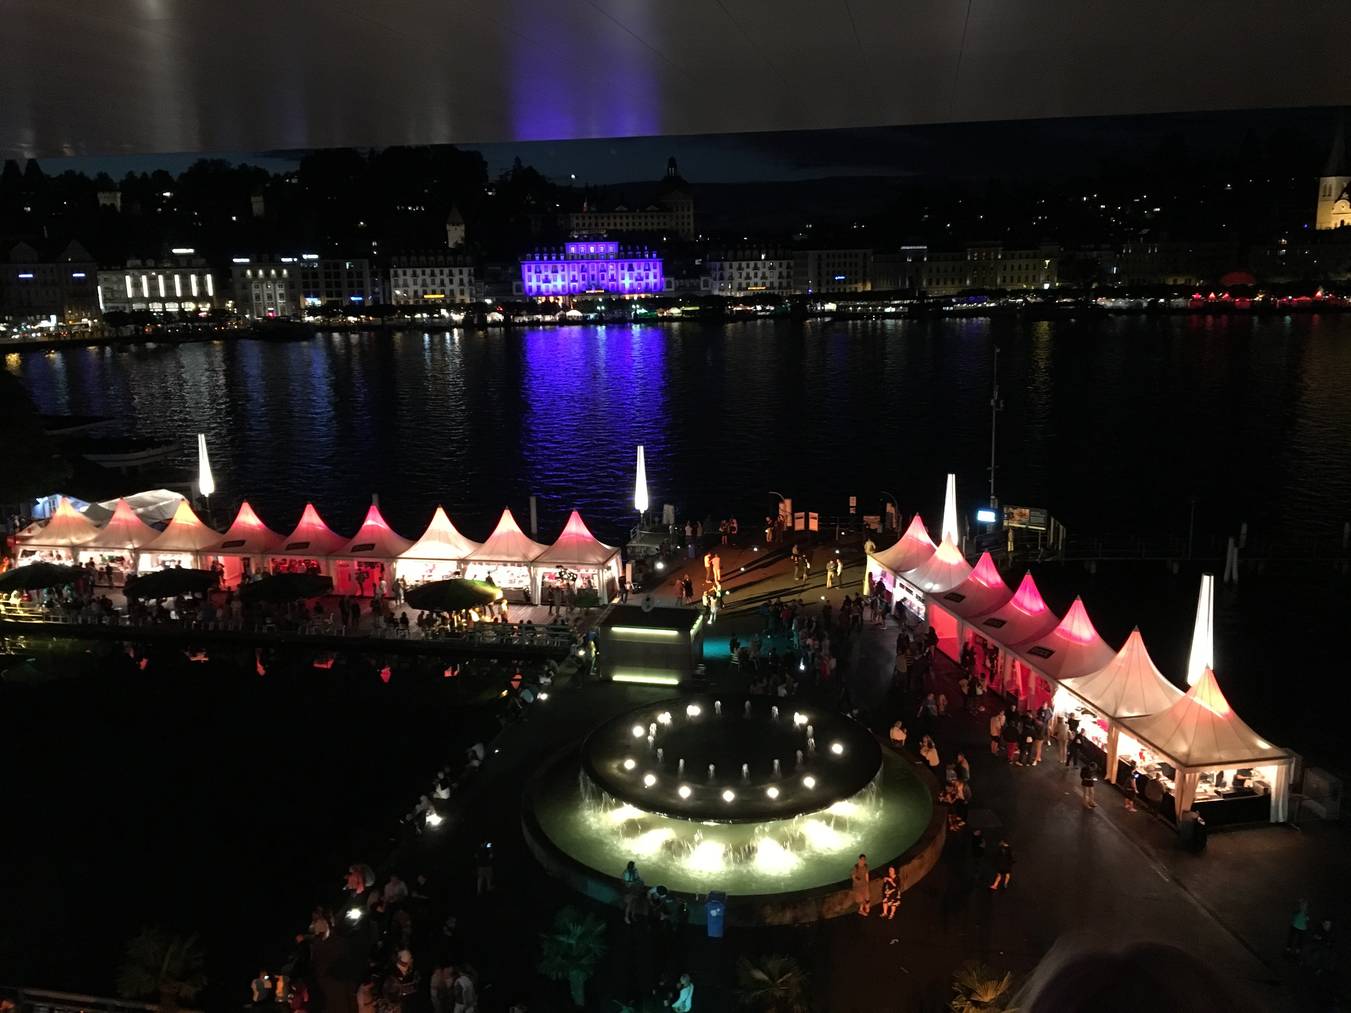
{"points": [[1088, 778]]}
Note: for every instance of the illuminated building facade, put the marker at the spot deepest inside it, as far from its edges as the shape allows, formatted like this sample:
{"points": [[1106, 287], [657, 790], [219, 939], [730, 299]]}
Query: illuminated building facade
{"points": [[666, 207], [746, 272], [266, 289], [61, 284], [434, 278], [181, 284], [592, 265]]}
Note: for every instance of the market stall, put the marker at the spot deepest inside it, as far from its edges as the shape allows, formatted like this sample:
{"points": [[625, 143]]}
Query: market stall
{"points": [[1073, 648], [1021, 620], [114, 548], [1198, 754], [365, 565], [182, 543], [438, 555], [307, 548], [577, 562], [241, 550], [959, 608], [58, 539], [912, 549], [505, 558], [942, 571], [1128, 686]]}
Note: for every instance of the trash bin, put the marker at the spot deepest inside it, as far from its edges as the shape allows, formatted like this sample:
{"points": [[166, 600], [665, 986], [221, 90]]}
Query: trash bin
{"points": [[1192, 831], [715, 910]]}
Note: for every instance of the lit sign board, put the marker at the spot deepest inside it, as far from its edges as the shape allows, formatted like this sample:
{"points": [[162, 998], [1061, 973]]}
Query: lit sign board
{"points": [[1034, 518]]}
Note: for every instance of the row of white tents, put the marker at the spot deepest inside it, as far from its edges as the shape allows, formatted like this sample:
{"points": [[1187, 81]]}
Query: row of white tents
{"points": [[357, 564], [1062, 659]]}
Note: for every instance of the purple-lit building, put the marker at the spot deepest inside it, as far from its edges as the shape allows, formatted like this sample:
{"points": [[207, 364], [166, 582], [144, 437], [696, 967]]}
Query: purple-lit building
{"points": [[592, 265]]}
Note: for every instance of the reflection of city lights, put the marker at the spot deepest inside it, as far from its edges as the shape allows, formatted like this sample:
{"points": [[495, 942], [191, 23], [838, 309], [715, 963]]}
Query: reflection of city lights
{"points": [[707, 856], [773, 858], [772, 791], [649, 780], [639, 731], [624, 813], [693, 710], [729, 795], [837, 748], [809, 782], [630, 763], [650, 841], [683, 791]]}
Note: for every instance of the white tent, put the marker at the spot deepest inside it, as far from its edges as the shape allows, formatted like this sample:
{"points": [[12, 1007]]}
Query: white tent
{"points": [[58, 539], [116, 545], [505, 557], [437, 555], [182, 542], [154, 506], [1023, 619], [912, 549], [308, 547], [953, 613], [942, 571], [1200, 733], [368, 557], [1073, 648], [577, 549], [244, 545]]}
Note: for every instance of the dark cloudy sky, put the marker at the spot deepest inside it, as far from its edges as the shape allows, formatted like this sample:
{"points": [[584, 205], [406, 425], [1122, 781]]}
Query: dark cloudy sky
{"points": [[1018, 149]]}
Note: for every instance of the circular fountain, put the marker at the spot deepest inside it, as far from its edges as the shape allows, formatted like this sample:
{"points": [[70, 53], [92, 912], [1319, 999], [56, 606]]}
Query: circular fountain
{"points": [[776, 824]]}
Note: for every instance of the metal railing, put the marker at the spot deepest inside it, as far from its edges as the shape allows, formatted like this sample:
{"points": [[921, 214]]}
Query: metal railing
{"points": [[36, 1000]]}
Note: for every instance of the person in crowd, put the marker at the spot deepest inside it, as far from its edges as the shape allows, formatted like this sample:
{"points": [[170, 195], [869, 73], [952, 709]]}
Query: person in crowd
{"points": [[861, 887], [441, 989], [963, 767], [261, 990], [1298, 929], [464, 993], [997, 720], [684, 1000], [891, 893], [483, 869], [401, 987], [929, 752], [1003, 866], [897, 736], [1088, 779]]}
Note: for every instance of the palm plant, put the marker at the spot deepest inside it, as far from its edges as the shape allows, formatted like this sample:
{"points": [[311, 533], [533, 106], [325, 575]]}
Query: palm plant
{"points": [[160, 963], [571, 950], [772, 984], [978, 989]]}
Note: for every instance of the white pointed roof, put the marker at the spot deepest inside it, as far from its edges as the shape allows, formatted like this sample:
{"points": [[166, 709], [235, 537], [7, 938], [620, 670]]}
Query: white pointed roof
{"points": [[442, 540], [949, 530], [1128, 686], [1022, 618], [124, 530], [507, 544], [942, 571], [577, 546], [1072, 648], [913, 548], [375, 539], [311, 537], [66, 528], [983, 591], [1201, 730], [1202, 654], [185, 532], [248, 535]]}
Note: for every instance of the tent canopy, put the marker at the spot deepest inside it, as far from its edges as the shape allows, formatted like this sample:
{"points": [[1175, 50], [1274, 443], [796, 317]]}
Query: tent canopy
{"points": [[1023, 618], [375, 539], [913, 548], [942, 571], [982, 591], [441, 541], [124, 530], [1200, 730], [154, 506], [1130, 685], [248, 535], [185, 532], [507, 544], [1072, 648], [577, 546], [311, 538], [68, 527]]}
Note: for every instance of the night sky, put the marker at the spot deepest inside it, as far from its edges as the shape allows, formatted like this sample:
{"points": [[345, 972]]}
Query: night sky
{"points": [[1023, 149]]}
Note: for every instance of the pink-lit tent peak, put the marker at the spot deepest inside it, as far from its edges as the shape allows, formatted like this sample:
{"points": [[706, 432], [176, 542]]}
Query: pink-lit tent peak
{"points": [[1130, 685], [987, 574], [185, 532], [982, 592], [375, 539], [1071, 649], [1076, 626], [441, 541], [124, 530], [67, 527], [1027, 598], [578, 546], [913, 548], [508, 543], [312, 537], [248, 535], [1201, 730]]}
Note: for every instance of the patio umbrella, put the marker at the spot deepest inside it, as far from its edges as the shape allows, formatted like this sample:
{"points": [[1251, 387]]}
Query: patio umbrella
{"points": [[453, 595], [37, 575], [281, 587], [171, 583]]}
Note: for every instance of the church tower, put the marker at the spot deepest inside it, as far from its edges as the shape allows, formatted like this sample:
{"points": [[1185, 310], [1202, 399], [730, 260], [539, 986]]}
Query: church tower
{"points": [[1334, 186], [454, 228]]}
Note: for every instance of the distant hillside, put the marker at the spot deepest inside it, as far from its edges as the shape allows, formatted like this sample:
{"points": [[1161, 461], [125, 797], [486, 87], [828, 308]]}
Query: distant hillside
{"points": [[781, 208]]}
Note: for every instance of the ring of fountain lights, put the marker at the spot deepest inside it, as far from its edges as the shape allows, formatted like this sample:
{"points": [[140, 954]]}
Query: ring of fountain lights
{"points": [[729, 745]]}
